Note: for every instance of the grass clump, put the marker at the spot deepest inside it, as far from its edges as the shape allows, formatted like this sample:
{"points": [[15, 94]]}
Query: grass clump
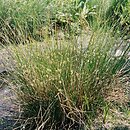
{"points": [[21, 19], [62, 86], [60, 82]]}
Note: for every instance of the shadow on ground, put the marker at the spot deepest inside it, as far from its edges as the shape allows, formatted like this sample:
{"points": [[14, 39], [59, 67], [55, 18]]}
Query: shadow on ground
{"points": [[121, 128], [6, 123]]}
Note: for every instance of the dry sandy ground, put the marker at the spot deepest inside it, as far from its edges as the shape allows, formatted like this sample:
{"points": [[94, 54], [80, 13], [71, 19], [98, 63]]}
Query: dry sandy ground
{"points": [[7, 108]]}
